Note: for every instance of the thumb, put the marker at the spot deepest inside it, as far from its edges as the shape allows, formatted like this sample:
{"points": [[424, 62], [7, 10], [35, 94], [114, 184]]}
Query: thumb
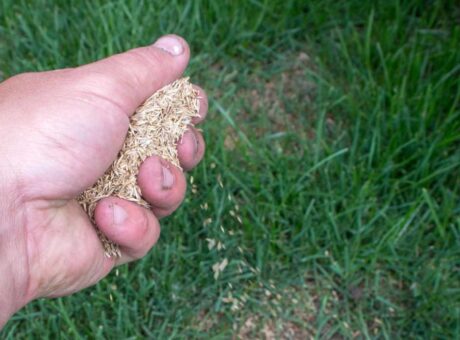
{"points": [[131, 77]]}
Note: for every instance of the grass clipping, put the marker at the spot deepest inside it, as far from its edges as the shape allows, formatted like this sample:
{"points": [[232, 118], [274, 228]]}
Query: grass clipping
{"points": [[155, 129]]}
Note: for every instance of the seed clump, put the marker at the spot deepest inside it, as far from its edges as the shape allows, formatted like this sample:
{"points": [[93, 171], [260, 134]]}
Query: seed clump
{"points": [[155, 129]]}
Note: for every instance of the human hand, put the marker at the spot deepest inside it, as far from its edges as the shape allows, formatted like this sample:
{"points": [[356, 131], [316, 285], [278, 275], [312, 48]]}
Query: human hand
{"points": [[59, 132]]}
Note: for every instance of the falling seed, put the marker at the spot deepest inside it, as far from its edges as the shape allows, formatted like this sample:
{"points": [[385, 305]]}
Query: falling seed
{"points": [[219, 180], [219, 267], [194, 189], [220, 246], [155, 128], [211, 243]]}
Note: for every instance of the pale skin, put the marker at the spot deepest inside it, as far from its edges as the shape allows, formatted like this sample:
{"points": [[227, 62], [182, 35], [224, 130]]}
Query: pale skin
{"points": [[59, 131]]}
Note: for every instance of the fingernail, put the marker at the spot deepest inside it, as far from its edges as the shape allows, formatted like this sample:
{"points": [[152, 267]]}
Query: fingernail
{"points": [[119, 214], [170, 44], [168, 178]]}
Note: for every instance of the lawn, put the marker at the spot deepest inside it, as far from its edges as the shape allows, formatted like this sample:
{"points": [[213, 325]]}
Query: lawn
{"points": [[330, 186]]}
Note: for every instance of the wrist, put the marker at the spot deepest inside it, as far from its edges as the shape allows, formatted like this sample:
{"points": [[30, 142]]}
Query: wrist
{"points": [[14, 271], [12, 297], [7, 307]]}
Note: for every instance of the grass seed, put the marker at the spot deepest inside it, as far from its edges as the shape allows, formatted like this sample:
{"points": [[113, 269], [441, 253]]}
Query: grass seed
{"points": [[155, 129]]}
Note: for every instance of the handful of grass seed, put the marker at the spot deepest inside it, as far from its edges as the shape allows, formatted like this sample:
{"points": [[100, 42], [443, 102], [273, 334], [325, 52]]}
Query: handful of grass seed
{"points": [[155, 128]]}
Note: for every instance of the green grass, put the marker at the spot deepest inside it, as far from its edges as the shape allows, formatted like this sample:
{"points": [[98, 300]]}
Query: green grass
{"points": [[334, 129]]}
